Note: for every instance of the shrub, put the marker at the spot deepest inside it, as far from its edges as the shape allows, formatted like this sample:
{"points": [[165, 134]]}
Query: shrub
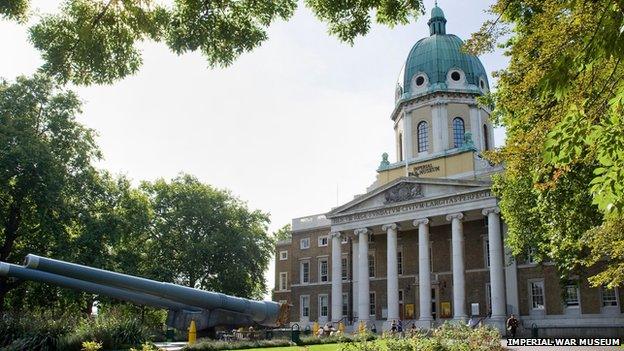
{"points": [[211, 345], [111, 331], [91, 346], [32, 332]]}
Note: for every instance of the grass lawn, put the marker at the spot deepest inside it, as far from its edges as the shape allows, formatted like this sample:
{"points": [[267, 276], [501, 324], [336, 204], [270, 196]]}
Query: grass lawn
{"points": [[326, 347]]}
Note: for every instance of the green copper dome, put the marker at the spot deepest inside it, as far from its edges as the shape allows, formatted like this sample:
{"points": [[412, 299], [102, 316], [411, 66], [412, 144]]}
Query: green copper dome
{"points": [[438, 64]]}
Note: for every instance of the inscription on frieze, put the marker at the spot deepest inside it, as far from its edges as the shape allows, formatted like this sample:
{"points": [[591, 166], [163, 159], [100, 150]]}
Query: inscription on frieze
{"points": [[410, 207]]}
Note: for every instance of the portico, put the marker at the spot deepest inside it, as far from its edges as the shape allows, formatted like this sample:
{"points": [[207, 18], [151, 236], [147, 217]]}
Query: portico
{"points": [[409, 204]]}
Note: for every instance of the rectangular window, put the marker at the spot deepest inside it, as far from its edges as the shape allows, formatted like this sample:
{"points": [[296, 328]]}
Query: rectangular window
{"points": [[323, 241], [283, 281], [537, 295], [323, 305], [345, 305], [531, 255], [344, 268], [304, 243], [323, 268], [371, 265], [371, 310], [400, 261], [305, 306], [571, 294], [283, 255], [305, 272], [486, 249], [400, 296], [609, 297]]}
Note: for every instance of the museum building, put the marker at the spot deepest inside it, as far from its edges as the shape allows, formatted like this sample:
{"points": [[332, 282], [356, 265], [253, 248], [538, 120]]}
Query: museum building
{"points": [[424, 244]]}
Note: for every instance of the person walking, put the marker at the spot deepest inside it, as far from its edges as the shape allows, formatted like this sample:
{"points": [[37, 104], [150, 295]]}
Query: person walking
{"points": [[512, 325]]}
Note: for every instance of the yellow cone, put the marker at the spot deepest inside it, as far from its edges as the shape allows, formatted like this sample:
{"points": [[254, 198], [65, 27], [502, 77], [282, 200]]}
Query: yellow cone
{"points": [[192, 335]]}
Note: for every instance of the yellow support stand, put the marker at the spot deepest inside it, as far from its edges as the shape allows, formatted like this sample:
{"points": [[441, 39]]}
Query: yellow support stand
{"points": [[362, 327], [315, 328], [192, 335]]}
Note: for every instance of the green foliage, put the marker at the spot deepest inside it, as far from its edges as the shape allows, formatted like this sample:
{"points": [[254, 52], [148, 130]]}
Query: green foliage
{"points": [[560, 101], [284, 233], [14, 9], [112, 332], [212, 345], [91, 346], [206, 238], [146, 346], [30, 332], [448, 337], [92, 41]]}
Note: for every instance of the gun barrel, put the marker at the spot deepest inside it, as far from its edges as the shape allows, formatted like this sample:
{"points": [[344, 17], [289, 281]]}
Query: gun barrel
{"points": [[12, 270], [262, 312]]}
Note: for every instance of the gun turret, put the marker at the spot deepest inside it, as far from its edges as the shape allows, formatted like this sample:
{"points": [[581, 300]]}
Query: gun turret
{"points": [[207, 308]]}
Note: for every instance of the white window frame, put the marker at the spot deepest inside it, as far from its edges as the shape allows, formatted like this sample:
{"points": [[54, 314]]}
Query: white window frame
{"points": [[345, 305], [371, 305], [321, 306], [323, 278], [323, 240], [283, 281], [602, 298], [374, 265], [301, 270], [302, 307], [578, 296], [400, 260], [539, 282], [344, 267], [283, 255], [486, 251], [304, 243]]}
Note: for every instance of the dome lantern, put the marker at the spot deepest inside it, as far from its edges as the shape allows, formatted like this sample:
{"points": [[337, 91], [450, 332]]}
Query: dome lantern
{"points": [[437, 22]]}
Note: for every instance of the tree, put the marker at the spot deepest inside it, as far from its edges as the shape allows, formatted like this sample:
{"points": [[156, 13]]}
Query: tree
{"points": [[205, 238], [284, 233], [93, 41], [561, 101], [45, 164]]}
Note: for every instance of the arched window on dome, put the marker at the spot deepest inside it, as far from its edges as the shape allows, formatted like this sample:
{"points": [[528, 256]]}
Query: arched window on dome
{"points": [[423, 136], [458, 132], [485, 137]]}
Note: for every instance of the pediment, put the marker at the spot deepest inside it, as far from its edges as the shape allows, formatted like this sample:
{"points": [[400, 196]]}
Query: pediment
{"points": [[406, 190]]}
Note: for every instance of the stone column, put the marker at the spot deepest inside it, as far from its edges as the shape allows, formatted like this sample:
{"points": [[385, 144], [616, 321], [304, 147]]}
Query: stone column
{"points": [[393, 273], [511, 278], [497, 274], [355, 261], [424, 273], [475, 127], [439, 127], [459, 278], [336, 278], [363, 283]]}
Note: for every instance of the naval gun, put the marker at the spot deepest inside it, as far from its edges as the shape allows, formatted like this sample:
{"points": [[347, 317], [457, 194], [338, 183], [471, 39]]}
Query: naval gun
{"points": [[208, 309]]}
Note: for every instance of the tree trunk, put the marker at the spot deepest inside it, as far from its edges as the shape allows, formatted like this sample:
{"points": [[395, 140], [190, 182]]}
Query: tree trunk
{"points": [[11, 228]]}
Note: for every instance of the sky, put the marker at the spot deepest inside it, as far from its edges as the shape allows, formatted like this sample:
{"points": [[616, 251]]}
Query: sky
{"points": [[293, 128]]}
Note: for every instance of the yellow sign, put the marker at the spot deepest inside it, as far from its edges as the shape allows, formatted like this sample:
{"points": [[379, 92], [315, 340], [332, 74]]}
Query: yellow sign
{"points": [[445, 308], [409, 311]]}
